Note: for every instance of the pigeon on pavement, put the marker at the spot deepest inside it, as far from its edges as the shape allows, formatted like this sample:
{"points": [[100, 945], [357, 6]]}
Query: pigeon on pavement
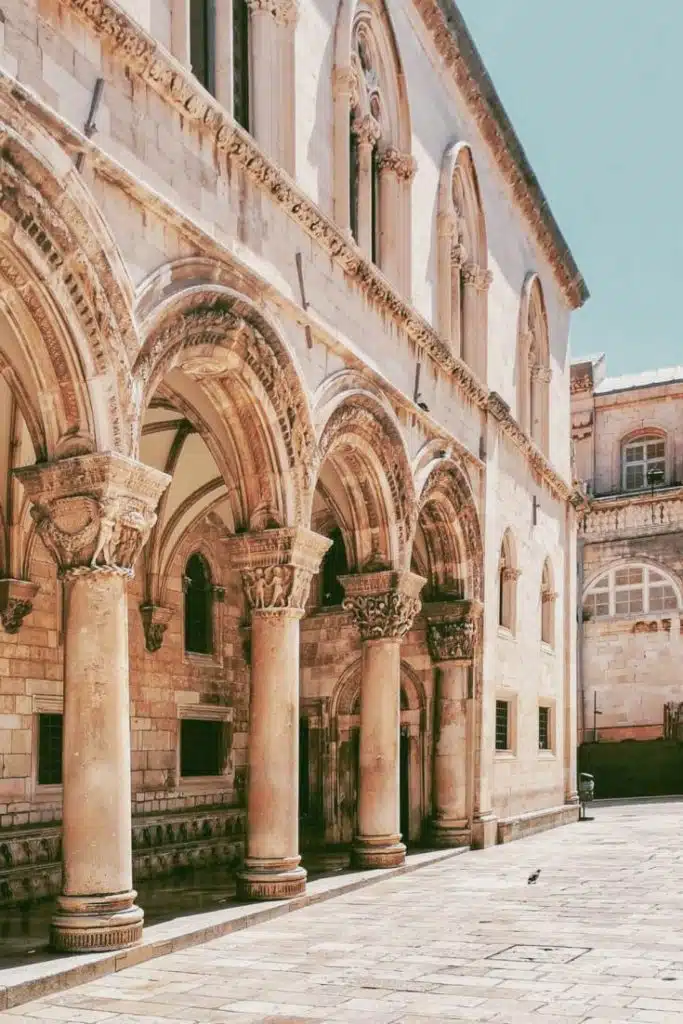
{"points": [[533, 877]]}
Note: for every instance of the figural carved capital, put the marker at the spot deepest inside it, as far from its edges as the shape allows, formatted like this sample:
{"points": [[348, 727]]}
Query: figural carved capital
{"points": [[93, 512], [384, 604], [277, 566], [16, 602], [403, 165], [366, 129], [453, 630]]}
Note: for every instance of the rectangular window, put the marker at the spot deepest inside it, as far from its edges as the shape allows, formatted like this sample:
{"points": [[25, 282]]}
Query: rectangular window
{"points": [[240, 62], [202, 747], [203, 42], [544, 729], [50, 750], [502, 725]]}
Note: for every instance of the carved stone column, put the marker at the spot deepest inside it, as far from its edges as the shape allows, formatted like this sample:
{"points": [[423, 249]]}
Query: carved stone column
{"points": [[94, 514], [367, 131], [276, 568], [384, 605], [396, 171], [452, 631], [271, 24]]}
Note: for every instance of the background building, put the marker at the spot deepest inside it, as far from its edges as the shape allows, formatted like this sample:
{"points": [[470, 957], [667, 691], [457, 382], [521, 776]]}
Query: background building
{"points": [[283, 333]]}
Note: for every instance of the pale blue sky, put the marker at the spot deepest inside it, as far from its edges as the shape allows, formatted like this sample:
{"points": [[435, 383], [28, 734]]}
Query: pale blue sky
{"points": [[594, 89]]}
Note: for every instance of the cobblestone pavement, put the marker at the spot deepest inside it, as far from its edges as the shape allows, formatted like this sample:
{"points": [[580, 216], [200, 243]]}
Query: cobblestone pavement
{"points": [[599, 938]]}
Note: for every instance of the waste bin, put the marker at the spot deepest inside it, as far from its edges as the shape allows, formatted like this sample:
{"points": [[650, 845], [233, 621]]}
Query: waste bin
{"points": [[586, 792]]}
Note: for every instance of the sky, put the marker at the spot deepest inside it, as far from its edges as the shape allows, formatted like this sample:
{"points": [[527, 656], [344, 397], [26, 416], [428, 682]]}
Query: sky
{"points": [[594, 89]]}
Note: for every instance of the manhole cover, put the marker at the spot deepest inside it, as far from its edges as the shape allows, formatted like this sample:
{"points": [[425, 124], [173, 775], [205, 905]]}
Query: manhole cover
{"points": [[541, 954]]}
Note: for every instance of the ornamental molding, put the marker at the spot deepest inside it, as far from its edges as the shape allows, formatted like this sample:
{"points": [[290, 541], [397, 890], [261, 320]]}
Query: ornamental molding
{"points": [[138, 51], [384, 604], [93, 512], [16, 602], [580, 384], [540, 465], [277, 566]]}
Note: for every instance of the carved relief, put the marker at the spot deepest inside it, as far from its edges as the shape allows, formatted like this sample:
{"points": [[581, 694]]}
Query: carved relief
{"points": [[16, 602], [276, 587], [155, 620], [383, 604], [452, 641], [277, 566]]}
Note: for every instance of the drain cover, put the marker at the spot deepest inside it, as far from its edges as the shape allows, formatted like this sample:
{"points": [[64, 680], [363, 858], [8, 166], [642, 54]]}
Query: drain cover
{"points": [[541, 954]]}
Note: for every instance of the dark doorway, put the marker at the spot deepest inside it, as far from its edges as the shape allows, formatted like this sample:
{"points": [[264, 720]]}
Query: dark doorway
{"points": [[404, 783]]}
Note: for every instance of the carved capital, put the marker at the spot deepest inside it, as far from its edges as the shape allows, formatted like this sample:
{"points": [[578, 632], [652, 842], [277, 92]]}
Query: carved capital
{"points": [[470, 274], [384, 604], [277, 566], [93, 512], [16, 601], [403, 165], [511, 575], [453, 629], [483, 280], [155, 619], [458, 255], [285, 12], [366, 129]]}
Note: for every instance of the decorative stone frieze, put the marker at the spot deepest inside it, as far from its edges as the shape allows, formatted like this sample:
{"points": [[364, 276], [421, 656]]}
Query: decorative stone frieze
{"points": [[500, 410], [384, 604], [277, 566], [93, 512], [16, 602], [155, 619]]}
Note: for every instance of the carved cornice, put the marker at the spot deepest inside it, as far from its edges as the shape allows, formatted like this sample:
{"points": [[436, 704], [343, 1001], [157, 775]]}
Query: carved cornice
{"points": [[277, 566], [500, 410], [93, 512], [16, 602], [384, 604]]}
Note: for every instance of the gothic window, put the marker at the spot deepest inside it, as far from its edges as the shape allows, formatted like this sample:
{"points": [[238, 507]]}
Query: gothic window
{"points": [[630, 590], [548, 598], [353, 180], [503, 725], [49, 750], [334, 565], [533, 365], [198, 606], [240, 62], [203, 42], [202, 747], [643, 463], [507, 585]]}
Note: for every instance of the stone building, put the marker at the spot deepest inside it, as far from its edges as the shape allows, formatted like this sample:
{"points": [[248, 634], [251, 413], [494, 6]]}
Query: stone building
{"points": [[628, 450], [288, 538]]}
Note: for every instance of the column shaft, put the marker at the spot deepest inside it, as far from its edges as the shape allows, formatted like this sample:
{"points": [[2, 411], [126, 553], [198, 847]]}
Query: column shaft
{"points": [[450, 781]]}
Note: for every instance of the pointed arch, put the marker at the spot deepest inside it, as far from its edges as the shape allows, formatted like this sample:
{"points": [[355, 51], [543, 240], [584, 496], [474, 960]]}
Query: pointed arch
{"points": [[508, 575], [463, 274], [533, 364]]}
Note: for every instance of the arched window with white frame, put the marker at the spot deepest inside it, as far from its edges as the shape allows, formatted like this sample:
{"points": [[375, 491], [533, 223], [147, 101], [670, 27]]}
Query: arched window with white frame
{"points": [[633, 589], [533, 365], [643, 462], [373, 165]]}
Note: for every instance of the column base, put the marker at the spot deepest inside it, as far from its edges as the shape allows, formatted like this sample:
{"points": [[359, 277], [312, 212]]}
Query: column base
{"points": [[96, 924], [484, 831], [378, 852], [450, 834], [276, 879]]}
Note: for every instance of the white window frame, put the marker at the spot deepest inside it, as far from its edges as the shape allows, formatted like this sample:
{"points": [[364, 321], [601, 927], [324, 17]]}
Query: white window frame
{"points": [[660, 461], [645, 587]]}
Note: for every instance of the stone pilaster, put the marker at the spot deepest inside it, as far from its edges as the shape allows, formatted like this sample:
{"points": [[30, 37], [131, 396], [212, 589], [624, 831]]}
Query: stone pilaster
{"points": [[276, 568], [94, 514], [452, 635], [384, 605]]}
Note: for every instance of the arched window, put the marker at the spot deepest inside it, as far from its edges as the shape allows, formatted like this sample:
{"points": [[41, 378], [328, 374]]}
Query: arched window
{"points": [[198, 606], [203, 42], [533, 365], [643, 462], [373, 165], [548, 598], [334, 565], [634, 589], [508, 574], [463, 277]]}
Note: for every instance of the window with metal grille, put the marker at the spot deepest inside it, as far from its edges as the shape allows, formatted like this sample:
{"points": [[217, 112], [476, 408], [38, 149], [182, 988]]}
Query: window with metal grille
{"points": [[644, 463], [240, 62], [198, 606], [502, 725], [544, 729], [50, 750], [203, 42], [202, 747]]}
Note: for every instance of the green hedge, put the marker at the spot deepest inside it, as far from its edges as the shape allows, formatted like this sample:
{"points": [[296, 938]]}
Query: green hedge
{"points": [[634, 767]]}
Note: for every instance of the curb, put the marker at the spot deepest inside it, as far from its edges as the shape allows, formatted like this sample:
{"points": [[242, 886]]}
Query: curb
{"points": [[23, 984]]}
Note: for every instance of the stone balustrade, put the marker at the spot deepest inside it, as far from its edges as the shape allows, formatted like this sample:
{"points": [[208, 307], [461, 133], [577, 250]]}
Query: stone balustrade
{"points": [[628, 515]]}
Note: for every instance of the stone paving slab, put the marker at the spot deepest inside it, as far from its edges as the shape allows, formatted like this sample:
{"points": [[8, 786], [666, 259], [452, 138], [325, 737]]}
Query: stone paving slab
{"points": [[598, 940]]}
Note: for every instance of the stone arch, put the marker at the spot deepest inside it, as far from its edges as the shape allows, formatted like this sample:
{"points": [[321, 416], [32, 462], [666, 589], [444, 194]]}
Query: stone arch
{"points": [[344, 700], [533, 364], [67, 297], [243, 375], [370, 482], [462, 258], [447, 534]]}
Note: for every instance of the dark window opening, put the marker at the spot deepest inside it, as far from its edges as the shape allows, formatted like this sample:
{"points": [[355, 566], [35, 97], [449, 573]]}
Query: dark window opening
{"points": [[353, 181], [304, 779], [374, 205], [203, 42], [240, 62], [198, 606], [544, 728], [50, 741], [502, 725], [501, 598], [334, 565], [404, 784], [202, 747]]}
